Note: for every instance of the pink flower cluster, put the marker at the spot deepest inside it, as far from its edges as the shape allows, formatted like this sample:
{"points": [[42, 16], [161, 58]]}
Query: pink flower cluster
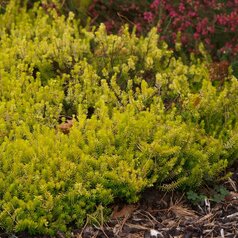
{"points": [[213, 22], [148, 16]]}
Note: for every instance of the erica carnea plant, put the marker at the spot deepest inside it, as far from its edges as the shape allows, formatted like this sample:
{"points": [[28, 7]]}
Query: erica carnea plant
{"points": [[139, 117]]}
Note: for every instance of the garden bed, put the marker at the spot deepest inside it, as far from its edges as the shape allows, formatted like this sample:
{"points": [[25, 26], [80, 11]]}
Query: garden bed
{"points": [[90, 121]]}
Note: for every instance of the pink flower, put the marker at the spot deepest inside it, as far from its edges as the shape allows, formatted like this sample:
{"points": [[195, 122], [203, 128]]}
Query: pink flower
{"points": [[221, 19], [173, 14], [148, 16], [204, 32], [211, 29], [196, 36], [181, 7], [155, 4], [192, 14]]}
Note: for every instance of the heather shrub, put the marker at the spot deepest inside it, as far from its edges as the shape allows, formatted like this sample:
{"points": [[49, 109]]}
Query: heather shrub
{"points": [[140, 117], [212, 22]]}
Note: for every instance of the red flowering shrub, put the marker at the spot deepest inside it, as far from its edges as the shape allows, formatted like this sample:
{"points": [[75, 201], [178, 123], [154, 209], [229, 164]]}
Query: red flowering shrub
{"points": [[214, 22]]}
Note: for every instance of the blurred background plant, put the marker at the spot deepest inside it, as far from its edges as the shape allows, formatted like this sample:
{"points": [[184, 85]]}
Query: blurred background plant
{"points": [[215, 23]]}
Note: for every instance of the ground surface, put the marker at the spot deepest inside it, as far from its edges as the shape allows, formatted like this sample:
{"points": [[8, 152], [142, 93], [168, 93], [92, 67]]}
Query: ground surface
{"points": [[171, 215], [165, 215]]}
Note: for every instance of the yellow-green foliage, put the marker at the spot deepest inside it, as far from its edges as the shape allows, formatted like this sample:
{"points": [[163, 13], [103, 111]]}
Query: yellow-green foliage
{"points": [[154, 120]]}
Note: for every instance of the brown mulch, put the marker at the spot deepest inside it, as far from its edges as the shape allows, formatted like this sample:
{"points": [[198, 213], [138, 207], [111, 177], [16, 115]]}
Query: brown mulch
{"points": [[160, 216], [165, 215]]}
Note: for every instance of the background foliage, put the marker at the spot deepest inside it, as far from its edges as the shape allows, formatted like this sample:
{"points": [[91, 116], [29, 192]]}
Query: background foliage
{"points": [[212, 22]]}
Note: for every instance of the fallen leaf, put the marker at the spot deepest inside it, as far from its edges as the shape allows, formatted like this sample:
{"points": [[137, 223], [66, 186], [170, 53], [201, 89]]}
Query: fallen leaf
{"points": [[126, 211], [66, 126]]}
